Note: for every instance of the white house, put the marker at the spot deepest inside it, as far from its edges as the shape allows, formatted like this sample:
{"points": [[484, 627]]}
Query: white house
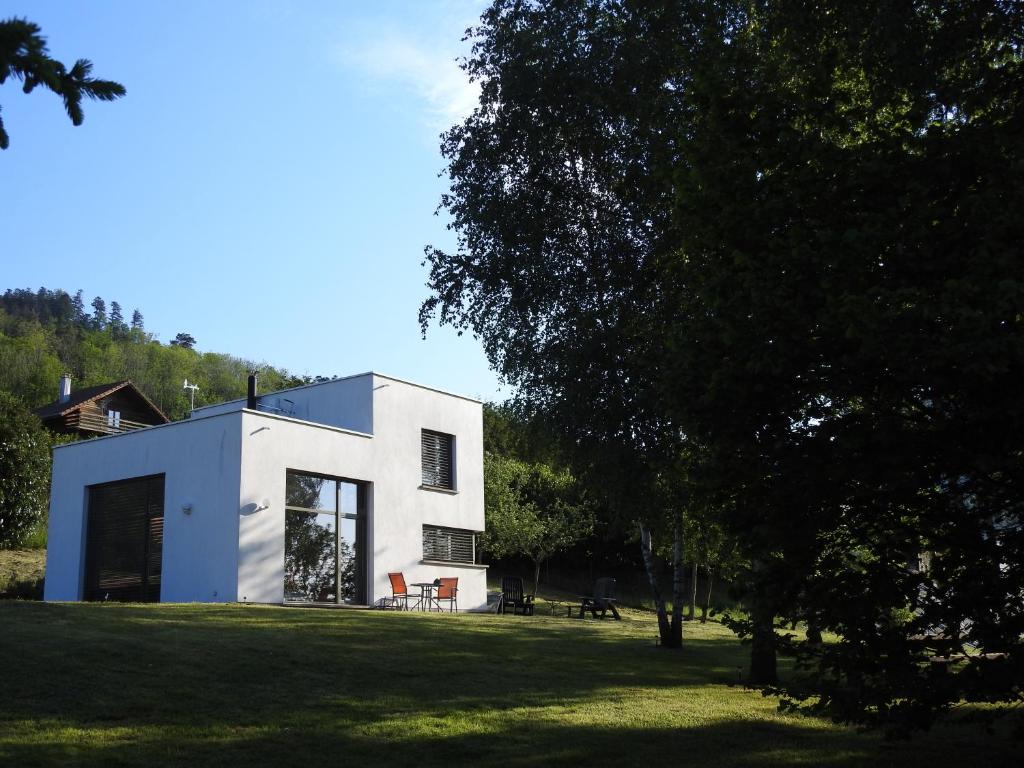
{"points": [[312, 494]]}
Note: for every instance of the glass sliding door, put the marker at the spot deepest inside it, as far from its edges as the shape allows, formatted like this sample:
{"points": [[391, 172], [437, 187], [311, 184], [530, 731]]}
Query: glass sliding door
{"points": [[310, 552], [323, 530]]}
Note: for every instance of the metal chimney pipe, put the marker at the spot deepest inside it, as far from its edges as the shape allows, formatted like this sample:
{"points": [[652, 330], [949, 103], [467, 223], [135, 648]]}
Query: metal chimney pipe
{"points": [[64, 394], [251, 398]]}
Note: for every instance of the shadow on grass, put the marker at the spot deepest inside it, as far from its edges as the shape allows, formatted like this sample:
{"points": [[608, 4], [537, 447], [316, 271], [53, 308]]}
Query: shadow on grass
{"points": [[230, 685], [322, 742], [25, 589]]}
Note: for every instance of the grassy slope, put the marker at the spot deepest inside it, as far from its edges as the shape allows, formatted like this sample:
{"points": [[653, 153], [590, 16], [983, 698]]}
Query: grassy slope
{"points": [[111, 685], [21, 565]]}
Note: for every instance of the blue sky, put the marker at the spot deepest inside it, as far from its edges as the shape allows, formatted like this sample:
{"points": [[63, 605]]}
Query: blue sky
{"points": [[267, 185]]}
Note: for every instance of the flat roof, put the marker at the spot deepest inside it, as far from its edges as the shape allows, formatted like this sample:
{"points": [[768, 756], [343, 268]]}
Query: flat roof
{"points": [[342, 378], [168, 425], [423, 386]]}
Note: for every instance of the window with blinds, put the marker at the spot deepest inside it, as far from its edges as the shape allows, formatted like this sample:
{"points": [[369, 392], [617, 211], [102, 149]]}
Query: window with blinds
{"points": [[436, 455], [452, 545]]}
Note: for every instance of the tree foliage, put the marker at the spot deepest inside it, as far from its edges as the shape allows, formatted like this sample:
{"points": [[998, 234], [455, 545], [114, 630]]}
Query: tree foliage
{"points": [[561, 216], [24, 57], [856, 298], [185, 340], [99, 313], [117, 324], [769, 254], [24, 471], [532, 510]]}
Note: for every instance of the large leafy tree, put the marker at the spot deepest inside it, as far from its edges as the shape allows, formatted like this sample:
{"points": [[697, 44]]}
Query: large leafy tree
{"points": [[857, 296], [768, 254], [24, 471], [561, 214], [24, 56]]}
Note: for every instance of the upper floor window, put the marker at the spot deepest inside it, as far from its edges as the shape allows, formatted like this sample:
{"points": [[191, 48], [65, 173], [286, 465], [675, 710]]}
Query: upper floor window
{"points": [[436, 450]]}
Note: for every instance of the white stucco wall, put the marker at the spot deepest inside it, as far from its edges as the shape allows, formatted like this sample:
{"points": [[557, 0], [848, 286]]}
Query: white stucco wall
{"points": [[230, 464], [200, 463], [401, 411], [271, 446], [389, 461]]}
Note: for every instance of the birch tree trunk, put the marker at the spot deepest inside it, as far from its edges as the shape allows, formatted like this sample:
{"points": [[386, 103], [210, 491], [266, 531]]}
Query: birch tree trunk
{"points": [[678, 583], [652, 577]]}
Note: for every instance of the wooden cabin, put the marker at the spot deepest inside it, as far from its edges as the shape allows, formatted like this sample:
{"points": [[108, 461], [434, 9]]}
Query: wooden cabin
{"points": [[105, 409]]}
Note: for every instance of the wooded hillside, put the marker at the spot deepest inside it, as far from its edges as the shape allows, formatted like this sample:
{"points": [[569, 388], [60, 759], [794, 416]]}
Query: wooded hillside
{"points": [[48, 332]]}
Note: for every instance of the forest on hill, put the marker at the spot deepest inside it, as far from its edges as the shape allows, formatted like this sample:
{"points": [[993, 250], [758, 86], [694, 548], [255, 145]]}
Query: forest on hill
{"points": [[46, 333]]}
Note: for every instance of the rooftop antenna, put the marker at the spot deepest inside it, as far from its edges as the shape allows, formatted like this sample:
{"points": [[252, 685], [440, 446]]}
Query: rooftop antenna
{"points": [[192, 394]]}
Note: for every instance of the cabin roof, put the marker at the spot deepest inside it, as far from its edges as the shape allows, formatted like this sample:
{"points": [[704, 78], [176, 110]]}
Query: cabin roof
{"points": [[80, 397]]}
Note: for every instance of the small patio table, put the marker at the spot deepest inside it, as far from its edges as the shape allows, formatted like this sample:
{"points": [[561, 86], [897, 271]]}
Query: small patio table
{"points": [[558, 605], [427, 595]]}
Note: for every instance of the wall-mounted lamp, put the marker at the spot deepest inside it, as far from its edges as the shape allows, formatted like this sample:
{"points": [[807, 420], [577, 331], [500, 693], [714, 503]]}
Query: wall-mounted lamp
{"points": [[265, 504], [187, 508]]}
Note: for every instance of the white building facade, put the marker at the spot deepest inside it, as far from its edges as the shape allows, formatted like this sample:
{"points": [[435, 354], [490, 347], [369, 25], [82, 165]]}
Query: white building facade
{"points": [[309, 495]]}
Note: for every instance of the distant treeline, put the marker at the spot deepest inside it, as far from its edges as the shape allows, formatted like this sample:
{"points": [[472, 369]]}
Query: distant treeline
{"points": [[46, 333]]}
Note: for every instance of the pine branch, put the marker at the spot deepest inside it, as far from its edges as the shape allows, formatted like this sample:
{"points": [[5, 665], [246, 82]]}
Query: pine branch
{"points": [[73, 105], [24, 56], [102, 90]]}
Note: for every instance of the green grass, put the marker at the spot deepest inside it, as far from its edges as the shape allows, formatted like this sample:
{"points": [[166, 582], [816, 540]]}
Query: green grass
{"points": [[21, 572], [119, 685]]}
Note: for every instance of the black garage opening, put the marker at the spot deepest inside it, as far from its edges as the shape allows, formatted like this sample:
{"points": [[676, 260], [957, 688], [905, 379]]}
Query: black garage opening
{"points": [[125, 540]]}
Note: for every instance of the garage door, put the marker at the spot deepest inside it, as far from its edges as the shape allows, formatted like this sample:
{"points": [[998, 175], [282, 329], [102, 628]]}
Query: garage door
{"points": [[125, 540]]}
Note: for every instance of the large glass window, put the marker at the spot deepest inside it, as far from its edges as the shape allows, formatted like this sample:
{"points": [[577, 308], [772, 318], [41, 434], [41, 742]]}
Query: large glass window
{"points": [[323, 529]]}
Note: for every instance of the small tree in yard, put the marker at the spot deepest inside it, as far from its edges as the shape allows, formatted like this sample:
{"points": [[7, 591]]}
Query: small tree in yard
{"points": [[24, 471], [532, 510]]}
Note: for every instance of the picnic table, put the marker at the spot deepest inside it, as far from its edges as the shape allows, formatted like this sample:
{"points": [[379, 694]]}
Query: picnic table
{"points": [[602, 600]]}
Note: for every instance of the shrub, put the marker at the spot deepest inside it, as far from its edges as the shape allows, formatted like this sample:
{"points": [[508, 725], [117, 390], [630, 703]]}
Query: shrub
{"points": [[24, 471]]}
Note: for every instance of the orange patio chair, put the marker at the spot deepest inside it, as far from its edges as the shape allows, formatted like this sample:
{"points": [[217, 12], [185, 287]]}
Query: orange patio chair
{"points": [[448, 590], [399, 593]]}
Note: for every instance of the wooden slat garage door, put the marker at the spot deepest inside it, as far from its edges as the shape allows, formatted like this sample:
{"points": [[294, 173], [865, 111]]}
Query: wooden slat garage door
{"points": [[125, 540]]}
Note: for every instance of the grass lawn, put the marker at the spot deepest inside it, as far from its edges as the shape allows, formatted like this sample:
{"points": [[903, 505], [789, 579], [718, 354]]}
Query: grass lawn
{"points": [[117, 685]]}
